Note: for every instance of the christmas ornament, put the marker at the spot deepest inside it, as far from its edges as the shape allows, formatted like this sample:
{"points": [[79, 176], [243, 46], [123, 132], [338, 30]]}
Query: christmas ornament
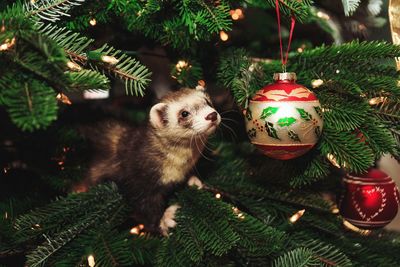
{"points": [[284, 119], [370, 200], [394, 13]]}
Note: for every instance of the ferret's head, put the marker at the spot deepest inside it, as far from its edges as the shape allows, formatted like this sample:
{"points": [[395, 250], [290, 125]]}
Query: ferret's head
{"points": [[185, 113]]}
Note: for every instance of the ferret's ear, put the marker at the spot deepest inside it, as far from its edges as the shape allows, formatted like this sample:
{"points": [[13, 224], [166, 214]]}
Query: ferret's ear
{"points": [[157, 115], [201, 85], [200, 88]]}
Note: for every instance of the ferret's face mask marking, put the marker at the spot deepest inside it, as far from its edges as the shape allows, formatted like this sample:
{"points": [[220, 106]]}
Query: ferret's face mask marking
{"points": [[188, 115]]}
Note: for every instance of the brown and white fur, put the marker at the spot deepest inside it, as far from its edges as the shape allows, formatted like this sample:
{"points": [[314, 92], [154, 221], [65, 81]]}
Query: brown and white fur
{"points": [[148, 162]]}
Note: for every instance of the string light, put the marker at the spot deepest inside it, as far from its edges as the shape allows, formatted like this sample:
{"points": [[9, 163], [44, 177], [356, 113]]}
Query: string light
{"points": [[241, 216], [6, 215], [295, 217], [135, 230], [64, 99], [182, 64], [93, 22], [35, 226], [317, 83], [223, 36], [236, 14], [7, 44], [337, 71], [323, 15], [301, 48], [377, 100], [354, 228], [335, 210], [217, 195], [109, 59], [73, 66], [91, 261], [332, 159]]}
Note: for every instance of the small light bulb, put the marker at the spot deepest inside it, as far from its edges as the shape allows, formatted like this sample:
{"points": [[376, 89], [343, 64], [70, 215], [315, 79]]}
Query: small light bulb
{"points": [[295, 217], [337, 71], [323, 15], [335, 210], [239, 12], [223, 36], [377, 100], [217, 195], [181, 65], [134, 230], [317, 83], [91, 261], [73, 66], [109, 59], [64, 99], [7, 44], [354, 228], [93, 22]]}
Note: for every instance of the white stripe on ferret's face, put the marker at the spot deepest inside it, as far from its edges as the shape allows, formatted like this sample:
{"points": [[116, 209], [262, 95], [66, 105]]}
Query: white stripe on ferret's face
{"points": [[192, 114]]}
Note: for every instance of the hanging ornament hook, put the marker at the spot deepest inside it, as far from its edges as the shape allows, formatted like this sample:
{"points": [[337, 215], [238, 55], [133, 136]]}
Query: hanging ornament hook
{"points": [[292, 24]]}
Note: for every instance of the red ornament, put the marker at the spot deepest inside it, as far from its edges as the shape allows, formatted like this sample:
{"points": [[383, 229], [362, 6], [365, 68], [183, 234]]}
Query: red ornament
{"points": [[370, 200], [284, 119]]}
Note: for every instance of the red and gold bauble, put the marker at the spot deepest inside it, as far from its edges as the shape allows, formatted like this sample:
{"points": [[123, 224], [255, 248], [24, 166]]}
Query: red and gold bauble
{"points": [[370, 200], [284, 119]]}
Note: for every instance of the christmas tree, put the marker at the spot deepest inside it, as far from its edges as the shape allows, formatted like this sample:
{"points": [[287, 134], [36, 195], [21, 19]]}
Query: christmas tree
{"points": [[252, 210]]}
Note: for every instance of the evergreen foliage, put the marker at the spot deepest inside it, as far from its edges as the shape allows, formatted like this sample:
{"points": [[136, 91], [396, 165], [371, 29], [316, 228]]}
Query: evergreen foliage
{"points": [[344, 96], [248, 224], [42, 51]]}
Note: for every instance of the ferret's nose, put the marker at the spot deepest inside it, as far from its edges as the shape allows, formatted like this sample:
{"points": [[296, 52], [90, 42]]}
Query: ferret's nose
{"points": [[212, 116]]}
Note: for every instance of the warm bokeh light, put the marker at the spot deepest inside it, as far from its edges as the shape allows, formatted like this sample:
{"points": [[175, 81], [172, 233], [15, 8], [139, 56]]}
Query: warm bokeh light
{"points": [[223, 36]]}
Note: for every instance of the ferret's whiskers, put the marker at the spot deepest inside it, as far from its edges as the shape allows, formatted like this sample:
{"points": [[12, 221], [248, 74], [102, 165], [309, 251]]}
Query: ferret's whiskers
{"points": [[228, 119], [229, 111], [233, 134], [201, 152]]}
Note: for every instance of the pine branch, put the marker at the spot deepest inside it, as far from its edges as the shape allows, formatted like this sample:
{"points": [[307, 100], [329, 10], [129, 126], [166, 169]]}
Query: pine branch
{"points": [[50, 10], [301, 257], [349, 6], [31, 104], [135, 75], [300, 9]]}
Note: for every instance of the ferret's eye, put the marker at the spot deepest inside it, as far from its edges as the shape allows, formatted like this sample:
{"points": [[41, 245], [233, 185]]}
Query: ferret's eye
{"points": [[185, 113]]}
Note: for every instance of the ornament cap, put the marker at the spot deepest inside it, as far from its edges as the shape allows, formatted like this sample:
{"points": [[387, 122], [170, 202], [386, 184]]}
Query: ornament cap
{"points": [[288, 76]]}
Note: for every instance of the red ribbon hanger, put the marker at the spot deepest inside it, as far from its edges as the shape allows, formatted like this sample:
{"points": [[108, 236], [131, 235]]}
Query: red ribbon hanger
{"points": [[292, 24]]}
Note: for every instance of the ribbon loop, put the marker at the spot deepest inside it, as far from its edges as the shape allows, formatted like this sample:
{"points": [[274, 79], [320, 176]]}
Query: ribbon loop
{"points": [[292, 24]]}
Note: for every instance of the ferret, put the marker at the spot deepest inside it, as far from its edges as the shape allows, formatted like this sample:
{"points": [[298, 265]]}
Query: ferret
{"points": [[148, 163]]}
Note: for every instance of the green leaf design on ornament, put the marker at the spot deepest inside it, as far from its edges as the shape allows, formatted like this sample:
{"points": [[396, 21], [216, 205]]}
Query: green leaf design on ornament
{"points": [[252, 133], [286, 121], [268, 112], [269, 126], [249, 114], [318, 110], [294, 136], [318, 131], [304, 114]]}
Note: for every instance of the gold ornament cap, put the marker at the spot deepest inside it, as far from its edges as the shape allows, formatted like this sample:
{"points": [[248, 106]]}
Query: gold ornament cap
{"points": [[288, 76]]}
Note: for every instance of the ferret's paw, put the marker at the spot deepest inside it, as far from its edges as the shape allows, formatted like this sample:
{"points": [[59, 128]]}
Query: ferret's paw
{"points": [[195, 181], [168, 219]]}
